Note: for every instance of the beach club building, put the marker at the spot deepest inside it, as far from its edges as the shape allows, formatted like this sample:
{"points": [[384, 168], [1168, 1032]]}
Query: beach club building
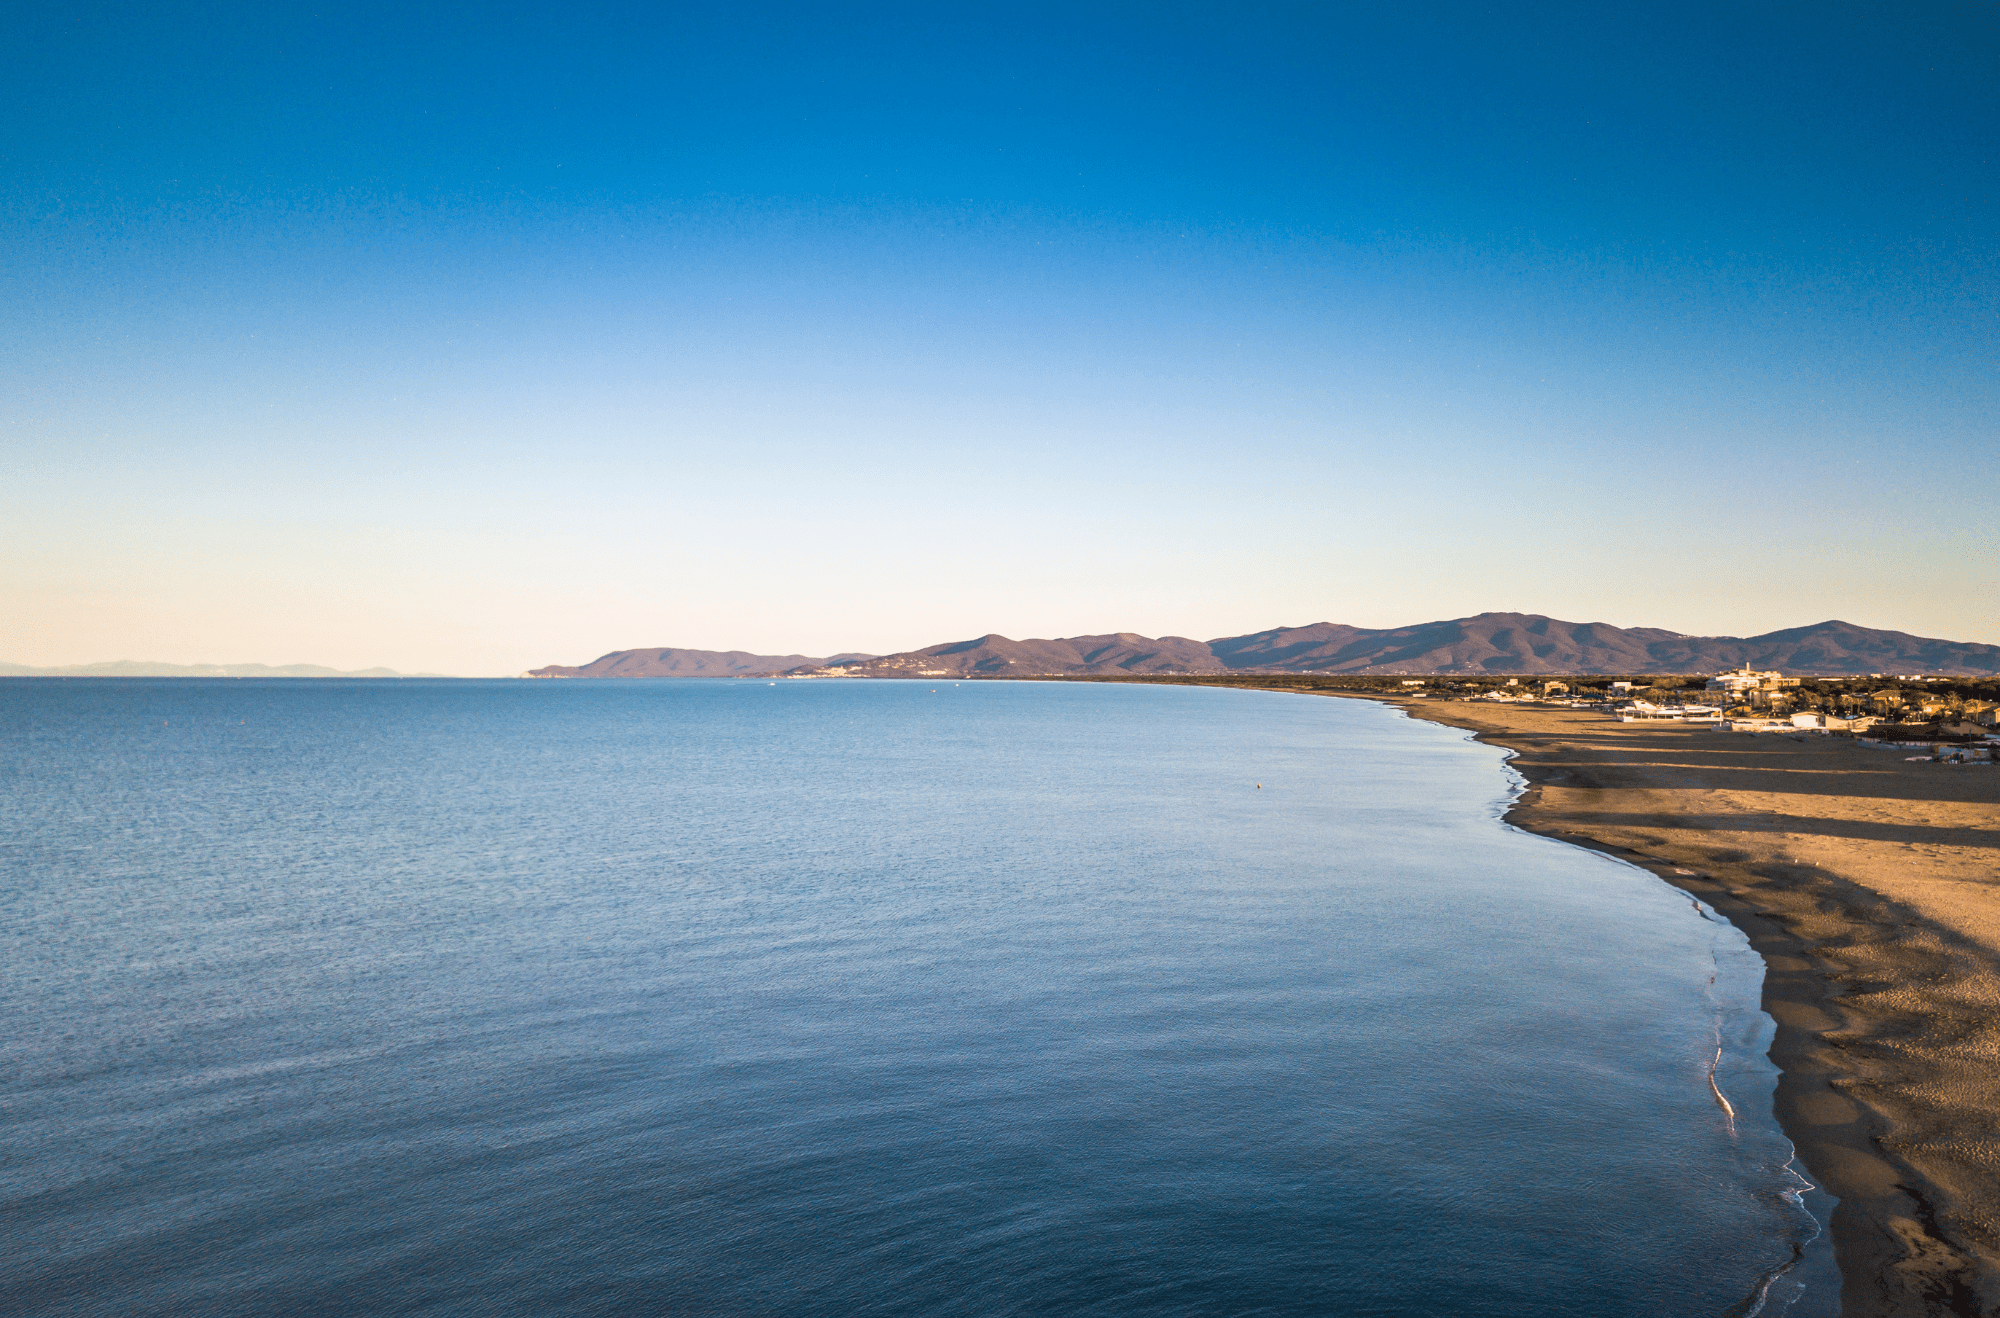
{"points": [[1750, 687]]}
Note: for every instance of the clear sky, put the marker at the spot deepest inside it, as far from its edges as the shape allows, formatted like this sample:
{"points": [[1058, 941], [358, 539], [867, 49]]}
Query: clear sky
{"points": [[472, 338]]}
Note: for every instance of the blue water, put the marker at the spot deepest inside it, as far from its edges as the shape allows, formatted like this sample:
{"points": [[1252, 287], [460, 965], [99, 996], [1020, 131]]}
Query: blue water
{"points": [[532, 998]]}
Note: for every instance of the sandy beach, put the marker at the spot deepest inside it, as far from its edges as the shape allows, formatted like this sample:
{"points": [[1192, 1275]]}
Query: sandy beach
{"points": [[1871, 886]]}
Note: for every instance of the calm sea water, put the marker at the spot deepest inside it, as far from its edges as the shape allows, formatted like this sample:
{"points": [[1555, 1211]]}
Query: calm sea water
{"points": [[846, 998]]}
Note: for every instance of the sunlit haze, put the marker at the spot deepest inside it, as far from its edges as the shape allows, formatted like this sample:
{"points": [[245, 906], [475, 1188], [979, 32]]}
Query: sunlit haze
{"points": [[472, 339]]}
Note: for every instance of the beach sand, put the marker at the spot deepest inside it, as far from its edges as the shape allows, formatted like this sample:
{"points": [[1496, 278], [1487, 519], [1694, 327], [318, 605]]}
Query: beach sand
{"points": [[1871, 886]]}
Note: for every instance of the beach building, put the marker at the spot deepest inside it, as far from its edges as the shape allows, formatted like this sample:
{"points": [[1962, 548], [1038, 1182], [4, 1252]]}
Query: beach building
{"points": [[1738, 683], [1640, 710], [1754, 725], [1748, 686], [1747, 683]]}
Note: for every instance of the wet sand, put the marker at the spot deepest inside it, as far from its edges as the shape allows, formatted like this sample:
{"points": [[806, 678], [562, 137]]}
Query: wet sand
{"points": [[1871, 887]]}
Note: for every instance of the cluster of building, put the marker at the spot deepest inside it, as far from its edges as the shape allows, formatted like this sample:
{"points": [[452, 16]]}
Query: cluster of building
{"points": [[1748, 700]]}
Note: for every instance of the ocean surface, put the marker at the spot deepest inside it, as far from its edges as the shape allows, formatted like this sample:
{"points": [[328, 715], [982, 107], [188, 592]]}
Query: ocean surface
{"points": [[725, 997]]}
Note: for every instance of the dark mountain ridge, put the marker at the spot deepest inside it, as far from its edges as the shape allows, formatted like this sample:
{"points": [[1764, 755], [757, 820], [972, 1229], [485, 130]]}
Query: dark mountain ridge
{"points": [[1502, 643]]}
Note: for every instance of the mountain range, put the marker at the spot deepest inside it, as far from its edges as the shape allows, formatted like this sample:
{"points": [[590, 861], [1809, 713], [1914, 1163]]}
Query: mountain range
{"points": [[1503, 643]]}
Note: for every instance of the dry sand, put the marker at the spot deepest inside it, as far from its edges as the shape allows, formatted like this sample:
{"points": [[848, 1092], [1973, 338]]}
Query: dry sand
{"points": [[1872, 888]]}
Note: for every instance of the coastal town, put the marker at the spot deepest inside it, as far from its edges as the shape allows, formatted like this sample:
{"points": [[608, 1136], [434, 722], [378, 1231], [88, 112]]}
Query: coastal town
{"points": [[1956, 719]]}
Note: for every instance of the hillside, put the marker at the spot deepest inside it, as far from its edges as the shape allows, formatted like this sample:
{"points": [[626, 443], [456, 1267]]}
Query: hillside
{"points": [[997, 656]]}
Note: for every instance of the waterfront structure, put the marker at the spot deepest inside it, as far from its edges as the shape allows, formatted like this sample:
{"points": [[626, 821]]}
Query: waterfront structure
{"points": [[1746, 681]]}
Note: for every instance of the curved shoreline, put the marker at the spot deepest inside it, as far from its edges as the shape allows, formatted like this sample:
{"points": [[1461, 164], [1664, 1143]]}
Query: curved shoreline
{"points": [[1886, 1013]]}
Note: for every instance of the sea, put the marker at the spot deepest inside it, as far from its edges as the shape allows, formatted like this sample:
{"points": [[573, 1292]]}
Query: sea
{"points": [[737, 997]]}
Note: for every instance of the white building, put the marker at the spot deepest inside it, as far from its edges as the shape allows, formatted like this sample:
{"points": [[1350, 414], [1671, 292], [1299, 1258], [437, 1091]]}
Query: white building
{"points": [[1743, 681]]}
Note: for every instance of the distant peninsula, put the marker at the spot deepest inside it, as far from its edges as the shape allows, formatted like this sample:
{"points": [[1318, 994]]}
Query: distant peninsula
{"points": [[1487, 643], [144, 668], [667, 661]]}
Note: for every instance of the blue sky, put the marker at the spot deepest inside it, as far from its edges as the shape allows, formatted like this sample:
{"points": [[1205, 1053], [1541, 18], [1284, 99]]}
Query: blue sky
{"points": [[467, 339]]}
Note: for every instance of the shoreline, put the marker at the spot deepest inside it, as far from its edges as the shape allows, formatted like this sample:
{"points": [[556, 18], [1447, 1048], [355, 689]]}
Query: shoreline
{"points": [[1869, 886], [1886, 1013]]}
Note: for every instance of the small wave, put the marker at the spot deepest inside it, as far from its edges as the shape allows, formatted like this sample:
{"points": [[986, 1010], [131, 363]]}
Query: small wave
{"points": [[1715, 1061], [1759, 1297], [1728, 1111]]}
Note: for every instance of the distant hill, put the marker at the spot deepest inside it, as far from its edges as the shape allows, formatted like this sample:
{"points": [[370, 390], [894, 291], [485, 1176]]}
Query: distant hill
{"points": [[1524, 643], [1532, 643], [996, 656], [143, 668], [666, 661]]}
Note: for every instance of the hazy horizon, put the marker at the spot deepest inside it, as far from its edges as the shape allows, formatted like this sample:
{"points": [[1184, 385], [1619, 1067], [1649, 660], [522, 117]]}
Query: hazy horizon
{"points": [[470, 343]]}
